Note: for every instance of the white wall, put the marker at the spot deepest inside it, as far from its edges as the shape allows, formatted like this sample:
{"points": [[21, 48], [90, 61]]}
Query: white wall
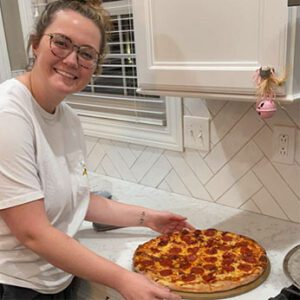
{"points": [[237, 171]]}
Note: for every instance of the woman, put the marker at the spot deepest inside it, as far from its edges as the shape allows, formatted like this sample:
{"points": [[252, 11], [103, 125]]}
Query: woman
{"points": [[44, 194]]}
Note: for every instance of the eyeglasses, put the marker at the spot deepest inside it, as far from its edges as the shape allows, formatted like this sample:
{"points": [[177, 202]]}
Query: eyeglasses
{"points": [[62, 46]]}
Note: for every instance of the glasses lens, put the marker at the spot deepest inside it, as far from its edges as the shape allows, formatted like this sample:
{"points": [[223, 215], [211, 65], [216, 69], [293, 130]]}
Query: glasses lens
{"points": [[61, 45], [88, 56]]}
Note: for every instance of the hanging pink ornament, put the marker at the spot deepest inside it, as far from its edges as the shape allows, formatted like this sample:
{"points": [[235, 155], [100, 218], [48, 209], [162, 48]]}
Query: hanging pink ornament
{"points": [[266, 108]]}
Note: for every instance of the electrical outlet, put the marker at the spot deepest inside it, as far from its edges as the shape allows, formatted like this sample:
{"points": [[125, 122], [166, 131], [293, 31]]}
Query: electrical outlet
{"points": [[196, 133], [283, 144]]}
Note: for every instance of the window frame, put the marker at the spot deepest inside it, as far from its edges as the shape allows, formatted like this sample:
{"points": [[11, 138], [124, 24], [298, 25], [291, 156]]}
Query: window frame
{"points": [[167, 137], [4, 57]]}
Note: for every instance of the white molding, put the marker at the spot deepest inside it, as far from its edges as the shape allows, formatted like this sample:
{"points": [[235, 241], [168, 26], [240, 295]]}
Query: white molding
{"points": [[26, 18], [5, 71], [169, 137]]}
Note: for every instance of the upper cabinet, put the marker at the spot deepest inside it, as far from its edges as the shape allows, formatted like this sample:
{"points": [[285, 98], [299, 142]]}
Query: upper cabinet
{"points": [[212, 48]]}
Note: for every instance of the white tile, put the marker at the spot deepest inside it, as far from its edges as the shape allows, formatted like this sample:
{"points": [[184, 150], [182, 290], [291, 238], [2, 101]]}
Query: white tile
{"points": [[231, 112], [90, 143], [157, 173], [293, 111], [268, 205], [109, 168], [197, 164], [164, 186], [242, 133], [145, 162], [263, 140], [95, 156], [136, 149], [214, 106], [291, 175], [250, 206], [126, 153], [233, 170], [241, 191], [100, 170], [117, 160], [278, 188], [280, 118], [187, 176], [176, 185]]}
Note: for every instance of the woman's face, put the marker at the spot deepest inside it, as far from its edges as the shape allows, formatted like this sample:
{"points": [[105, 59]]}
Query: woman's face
{"points": [[64, 76]]}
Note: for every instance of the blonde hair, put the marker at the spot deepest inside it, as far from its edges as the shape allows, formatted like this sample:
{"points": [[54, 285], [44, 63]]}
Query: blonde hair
{"points": [[91, 9], [268, 82]]}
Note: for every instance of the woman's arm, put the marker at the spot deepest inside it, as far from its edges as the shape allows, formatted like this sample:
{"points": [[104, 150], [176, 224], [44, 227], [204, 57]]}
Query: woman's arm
{"points": [[29, 224], [102, 210]]}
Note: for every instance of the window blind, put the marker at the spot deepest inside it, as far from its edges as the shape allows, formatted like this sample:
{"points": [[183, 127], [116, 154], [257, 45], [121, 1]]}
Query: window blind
{"points": [[112, 94]]}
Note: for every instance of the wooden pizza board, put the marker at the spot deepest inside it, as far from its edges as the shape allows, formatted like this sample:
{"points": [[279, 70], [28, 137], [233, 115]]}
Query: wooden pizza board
{"points": [[227, 294]]}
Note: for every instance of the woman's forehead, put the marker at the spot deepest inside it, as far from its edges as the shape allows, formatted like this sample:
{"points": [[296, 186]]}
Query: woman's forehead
{"points": [[80, 29]]}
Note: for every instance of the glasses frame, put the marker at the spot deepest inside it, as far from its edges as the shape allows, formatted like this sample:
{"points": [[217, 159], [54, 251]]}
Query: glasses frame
{"points": [[74, 47]]}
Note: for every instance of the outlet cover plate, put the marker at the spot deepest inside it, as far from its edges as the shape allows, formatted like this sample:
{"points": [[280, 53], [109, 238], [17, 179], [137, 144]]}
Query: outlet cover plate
{"points": [[283, 144], [196, 133]]}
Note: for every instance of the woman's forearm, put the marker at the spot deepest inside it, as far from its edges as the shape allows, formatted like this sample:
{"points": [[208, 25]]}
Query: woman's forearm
{"points": [[111, 212], [72, 257]]}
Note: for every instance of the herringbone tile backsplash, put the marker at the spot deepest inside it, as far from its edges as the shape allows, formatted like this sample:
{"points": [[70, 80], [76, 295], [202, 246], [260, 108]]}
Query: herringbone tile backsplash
{"points": [[238, 171]]}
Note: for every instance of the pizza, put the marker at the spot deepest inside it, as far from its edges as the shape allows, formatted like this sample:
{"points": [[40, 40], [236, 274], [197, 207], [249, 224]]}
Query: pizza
{"points": [[201, 261]]}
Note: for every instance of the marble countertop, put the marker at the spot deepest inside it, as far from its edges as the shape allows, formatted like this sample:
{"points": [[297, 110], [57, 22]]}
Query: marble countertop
{"points": [[275, 235]]}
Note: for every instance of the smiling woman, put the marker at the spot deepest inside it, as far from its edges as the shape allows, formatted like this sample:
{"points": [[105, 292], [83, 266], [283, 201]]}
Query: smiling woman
{"points": [[44, 190]]}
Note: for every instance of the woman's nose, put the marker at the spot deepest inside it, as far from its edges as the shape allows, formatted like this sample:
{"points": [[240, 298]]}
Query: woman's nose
{"points": [[71, 59]]}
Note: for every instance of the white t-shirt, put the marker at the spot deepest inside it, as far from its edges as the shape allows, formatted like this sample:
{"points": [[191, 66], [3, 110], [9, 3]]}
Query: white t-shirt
{"points": [[42, 155]]}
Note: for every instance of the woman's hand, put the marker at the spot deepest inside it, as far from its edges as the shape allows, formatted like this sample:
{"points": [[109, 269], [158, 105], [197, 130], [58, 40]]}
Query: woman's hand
{"points": [[137, 287], [165, 222]]}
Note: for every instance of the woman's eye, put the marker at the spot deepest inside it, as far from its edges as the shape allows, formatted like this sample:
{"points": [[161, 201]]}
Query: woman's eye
{"points": [[61, 43], [86, 55]]}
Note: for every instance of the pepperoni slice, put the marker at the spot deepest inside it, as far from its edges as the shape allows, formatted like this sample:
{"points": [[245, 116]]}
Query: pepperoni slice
{"points": [[188, 277], [228, 261], [185, 231], [228, 268], [249, 259], [211, 242], [213, 250], [226, 237], [245, 267], [210, 259], [210, 232], [209, 277], [147, 263], [197, 270], [193, 250], [166, 272], [184, 265], [210, 267], [191, 257], [175, 250], [242, 244], [224, 247], [154, 250], [228, 255], [166, 262]]}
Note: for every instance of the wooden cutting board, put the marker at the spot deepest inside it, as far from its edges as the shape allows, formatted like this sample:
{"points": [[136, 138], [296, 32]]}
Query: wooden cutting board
{"points": [[231, 293]]}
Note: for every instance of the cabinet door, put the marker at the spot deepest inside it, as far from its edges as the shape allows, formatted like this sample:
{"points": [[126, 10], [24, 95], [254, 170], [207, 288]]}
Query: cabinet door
{"points": [[208, 46]]}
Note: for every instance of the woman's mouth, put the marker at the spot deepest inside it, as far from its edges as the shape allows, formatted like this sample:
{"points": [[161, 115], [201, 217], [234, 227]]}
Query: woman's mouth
{"points": [[66, 74]]}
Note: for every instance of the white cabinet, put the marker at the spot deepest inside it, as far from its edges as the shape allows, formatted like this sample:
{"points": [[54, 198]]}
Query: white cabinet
{"points": [[212, 48]]}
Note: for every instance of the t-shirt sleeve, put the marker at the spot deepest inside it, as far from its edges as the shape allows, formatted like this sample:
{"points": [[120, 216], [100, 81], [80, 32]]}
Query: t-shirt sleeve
{"points": [[19, 180]]}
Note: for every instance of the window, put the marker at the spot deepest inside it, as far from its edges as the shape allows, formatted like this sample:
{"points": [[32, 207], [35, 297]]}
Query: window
{"points": [[109, 106]]}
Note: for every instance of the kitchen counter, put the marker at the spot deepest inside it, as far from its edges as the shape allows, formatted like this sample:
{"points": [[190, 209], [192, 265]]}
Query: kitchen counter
{"points": [[275, 235]]}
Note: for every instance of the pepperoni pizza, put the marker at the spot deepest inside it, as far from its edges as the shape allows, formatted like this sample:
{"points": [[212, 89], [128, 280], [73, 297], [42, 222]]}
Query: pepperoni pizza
{"points": [[201, 261]]}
